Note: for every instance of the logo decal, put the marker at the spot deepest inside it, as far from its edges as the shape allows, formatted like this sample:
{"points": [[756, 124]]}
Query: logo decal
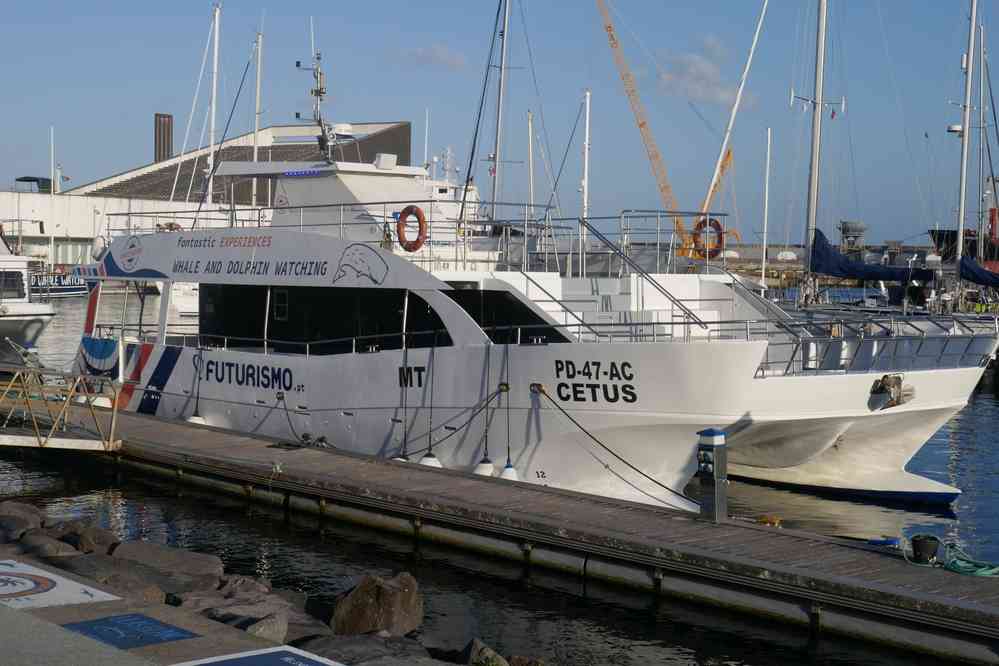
{"points": [[130, 255], [14, 585], [357, 261]]}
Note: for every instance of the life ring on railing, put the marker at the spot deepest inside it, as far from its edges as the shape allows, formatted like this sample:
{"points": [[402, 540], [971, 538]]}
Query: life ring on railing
{"points": [[713, 250], [400, 229]]}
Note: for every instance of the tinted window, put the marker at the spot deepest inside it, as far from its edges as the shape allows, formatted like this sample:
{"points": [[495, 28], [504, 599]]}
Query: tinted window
{"points": [[500, 314]]}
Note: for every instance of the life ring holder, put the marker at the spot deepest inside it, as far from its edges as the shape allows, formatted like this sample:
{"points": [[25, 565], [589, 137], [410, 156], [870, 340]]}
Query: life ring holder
{"points": [[713, 250], [400, 229]]}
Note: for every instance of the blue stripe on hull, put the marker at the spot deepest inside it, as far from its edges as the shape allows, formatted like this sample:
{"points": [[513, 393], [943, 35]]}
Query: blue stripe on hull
{"points": [[151, 396]]}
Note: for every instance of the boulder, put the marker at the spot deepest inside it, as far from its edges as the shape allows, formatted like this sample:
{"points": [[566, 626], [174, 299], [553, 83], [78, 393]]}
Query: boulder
{"points": [[134, 588], [417, 661], [166, 558], [351, 650], [60, 529], [394, 605], [526, 661], [42, 545], [29, 512], [477, 653], [10, 551], [90, 539], [273, 627], [234, 586], [101, 567], [12, 528]]}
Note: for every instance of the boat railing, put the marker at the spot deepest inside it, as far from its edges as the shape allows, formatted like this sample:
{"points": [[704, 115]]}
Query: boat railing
{"points": [[794, 348]]}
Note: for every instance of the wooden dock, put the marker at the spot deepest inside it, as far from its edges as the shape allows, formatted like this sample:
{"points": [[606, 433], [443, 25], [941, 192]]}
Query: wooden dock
{"points": [[827, 584]]}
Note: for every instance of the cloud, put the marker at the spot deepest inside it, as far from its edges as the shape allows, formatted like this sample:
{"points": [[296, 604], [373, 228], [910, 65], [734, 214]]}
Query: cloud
{"points": [[697, 75], [436, 55]]}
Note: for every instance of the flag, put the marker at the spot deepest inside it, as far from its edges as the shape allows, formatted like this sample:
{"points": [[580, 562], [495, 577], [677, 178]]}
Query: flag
{"points": [[66, 179]]}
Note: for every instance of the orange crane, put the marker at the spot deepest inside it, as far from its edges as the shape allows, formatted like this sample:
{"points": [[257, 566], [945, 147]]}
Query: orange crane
{"points": [[655, 158], [689, 244]]}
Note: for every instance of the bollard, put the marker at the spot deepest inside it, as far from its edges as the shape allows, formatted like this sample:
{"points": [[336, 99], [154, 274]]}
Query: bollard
{"points": [[712, 464]]}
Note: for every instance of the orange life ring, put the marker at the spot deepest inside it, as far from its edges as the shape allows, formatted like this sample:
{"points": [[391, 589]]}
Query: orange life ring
{"points": [[713, 250], [400, 229]]}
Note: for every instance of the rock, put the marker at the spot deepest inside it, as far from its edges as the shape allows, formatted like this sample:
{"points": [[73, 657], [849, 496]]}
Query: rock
{"points": [[12, 528], [303, 627], [101, 567], [394, 605], [10, 551], [166, 558], [42, 545], [526, 661], [29, 512], [477, 653], [418, 661], [351, 650], [243, 586], [272, 628], [133, 587], [297, 599], [91, 539], [60, 529]]}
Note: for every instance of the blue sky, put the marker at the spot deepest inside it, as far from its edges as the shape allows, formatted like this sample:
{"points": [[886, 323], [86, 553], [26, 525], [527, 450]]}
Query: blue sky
{"points": [[98, 72]]}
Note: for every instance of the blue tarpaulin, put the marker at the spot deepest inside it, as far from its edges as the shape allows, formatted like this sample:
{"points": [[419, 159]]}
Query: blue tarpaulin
{"points": [[972, 272], [827, 261]]}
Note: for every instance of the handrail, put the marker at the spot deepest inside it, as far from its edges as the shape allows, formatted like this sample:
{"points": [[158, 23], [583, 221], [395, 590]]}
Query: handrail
{"points": [[641, 271], [560, 303]]}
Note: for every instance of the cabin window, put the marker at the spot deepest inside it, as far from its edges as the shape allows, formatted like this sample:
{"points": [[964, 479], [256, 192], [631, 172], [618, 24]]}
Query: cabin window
{"points": [[317, 320], [500, 314], [279, 303], [441, 190], [11, 284]]}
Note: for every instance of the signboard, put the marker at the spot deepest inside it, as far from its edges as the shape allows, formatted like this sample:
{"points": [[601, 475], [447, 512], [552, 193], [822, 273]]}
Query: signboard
{"points": [[25, 586], [133, 630], [276, 656]]}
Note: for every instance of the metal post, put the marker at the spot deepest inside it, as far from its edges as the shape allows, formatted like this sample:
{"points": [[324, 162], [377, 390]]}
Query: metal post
{"points": [[256, 115], [712, 472], [766, 211], [499, 107], [969, 66], [813, 168], [586, 185], [981, 146], [217, 14], [267, 317]]}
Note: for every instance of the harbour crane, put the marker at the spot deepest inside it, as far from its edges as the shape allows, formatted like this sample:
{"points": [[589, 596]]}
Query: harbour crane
{"points": [[687, 242]]}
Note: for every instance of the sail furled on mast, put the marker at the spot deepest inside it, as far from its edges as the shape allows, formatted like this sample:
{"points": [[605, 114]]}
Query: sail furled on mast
{"points": [[973, 272], [828, 261]]}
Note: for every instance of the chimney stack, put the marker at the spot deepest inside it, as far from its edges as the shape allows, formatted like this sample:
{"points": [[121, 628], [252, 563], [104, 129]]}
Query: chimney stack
{"points": [[162, 137]]}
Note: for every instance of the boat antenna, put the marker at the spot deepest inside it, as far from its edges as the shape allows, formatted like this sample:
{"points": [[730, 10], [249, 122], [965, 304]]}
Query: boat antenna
{"points": [[318, 92], [478, 115]]}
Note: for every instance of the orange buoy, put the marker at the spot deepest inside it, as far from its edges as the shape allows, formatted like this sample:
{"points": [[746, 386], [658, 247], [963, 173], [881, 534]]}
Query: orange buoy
{"points": [[400, 229]]}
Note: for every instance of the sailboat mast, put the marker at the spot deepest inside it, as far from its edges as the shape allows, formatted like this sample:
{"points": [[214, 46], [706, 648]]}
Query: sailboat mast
{"points": [[499, 107], [215, 85], [981, 145], [817, 110], [969, 65], [766, 215], [256, 112], [583, 238]]}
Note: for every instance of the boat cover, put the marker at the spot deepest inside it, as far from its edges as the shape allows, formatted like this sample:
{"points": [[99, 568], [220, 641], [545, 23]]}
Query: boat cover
{"points": [[972, 272], [827, 261]]}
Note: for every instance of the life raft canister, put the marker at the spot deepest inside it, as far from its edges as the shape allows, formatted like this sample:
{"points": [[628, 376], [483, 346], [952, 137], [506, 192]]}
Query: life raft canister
{"points": [[400, 229], [708, 251]]}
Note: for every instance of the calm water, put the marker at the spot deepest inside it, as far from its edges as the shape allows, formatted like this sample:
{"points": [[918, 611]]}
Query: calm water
{"points": [[517, 612]]}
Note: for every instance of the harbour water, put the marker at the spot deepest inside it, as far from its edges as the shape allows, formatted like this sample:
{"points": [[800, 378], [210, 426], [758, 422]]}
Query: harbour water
{"points": [[516, 611]]}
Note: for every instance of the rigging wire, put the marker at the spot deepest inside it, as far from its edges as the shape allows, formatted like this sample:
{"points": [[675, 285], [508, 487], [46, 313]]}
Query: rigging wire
{"points": [[546, 148], [565, 155], [194, 104], [194, 167], [899, 107], [218, 150], [541, 389], [478, 116]]}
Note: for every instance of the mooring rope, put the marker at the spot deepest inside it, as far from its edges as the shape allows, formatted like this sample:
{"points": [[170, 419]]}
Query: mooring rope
{"points": [[541, 390]]}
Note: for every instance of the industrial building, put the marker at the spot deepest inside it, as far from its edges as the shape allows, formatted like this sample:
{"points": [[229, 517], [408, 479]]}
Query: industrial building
{"points": [[58, 228]]}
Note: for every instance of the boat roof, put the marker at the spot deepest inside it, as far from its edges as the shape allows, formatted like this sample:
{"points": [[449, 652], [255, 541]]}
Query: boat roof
{"points": [[264, 256], [307, 169]]}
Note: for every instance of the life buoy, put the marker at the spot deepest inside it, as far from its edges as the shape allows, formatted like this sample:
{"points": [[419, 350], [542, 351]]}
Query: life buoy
{"points": [[713, 250], [400, 229]]}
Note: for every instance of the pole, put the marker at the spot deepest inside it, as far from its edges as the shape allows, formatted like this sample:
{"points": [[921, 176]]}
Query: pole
{"points": [[215, 85], [735, 110], [813, 168], [530, 161], [499, 107], [52, 177], [766, 214], [52, 173], [980, 246], [969, 60], [426, 138], [586, 185], [256, 114]]}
